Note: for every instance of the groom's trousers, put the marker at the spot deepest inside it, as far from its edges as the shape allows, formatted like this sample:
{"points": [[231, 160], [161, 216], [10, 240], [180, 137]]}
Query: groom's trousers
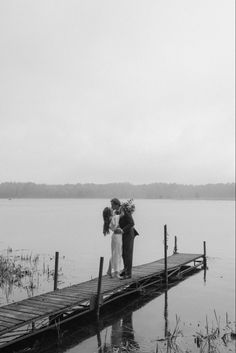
{"points": [[127, 251]]}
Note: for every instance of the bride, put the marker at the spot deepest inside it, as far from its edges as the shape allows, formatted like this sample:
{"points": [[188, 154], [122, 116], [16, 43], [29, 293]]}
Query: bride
{"points": [[111, 222]]}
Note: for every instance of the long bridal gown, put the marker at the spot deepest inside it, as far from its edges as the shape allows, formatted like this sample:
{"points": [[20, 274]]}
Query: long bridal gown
{"points": [[116, 262]]}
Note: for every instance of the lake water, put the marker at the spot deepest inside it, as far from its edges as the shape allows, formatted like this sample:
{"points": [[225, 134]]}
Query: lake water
{"points": [[74, 228]]}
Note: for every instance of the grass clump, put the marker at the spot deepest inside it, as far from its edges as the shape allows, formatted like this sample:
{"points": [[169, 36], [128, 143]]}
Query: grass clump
{"points": [[209, 339], [24, 274]]}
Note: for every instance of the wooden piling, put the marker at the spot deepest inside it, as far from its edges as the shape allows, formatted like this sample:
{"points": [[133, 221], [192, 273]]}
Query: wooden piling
{"points": [[56, 269], [99, 286], [166, 314], [204, 256], [99, 340], [204, 275], [175, 247], [165, 254]]}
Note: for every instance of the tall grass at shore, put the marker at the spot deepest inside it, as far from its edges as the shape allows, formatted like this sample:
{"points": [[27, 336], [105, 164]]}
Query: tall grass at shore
{"points": [[24, 274]]}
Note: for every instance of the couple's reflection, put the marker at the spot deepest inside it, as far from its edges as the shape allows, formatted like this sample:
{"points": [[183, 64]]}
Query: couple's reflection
{"points": [[122, 335]]}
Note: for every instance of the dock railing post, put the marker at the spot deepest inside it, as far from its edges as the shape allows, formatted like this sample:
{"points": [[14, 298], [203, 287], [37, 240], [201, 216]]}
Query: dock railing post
{"points": [[99, 286], [165, 254], [56, 269], [204, 256], [175, 247], [166, 313]]}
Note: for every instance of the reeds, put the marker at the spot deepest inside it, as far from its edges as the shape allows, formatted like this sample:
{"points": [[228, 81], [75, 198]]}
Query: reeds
{"points": [[169, 343], [210, 339], [215, 338], [24, 274]]}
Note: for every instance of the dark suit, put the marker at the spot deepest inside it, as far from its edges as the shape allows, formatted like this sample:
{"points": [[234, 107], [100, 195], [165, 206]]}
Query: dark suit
{"points": [[126, 223]]}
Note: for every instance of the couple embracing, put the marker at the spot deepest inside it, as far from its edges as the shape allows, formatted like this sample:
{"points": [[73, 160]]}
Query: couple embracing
{"points": [[118, 219]]}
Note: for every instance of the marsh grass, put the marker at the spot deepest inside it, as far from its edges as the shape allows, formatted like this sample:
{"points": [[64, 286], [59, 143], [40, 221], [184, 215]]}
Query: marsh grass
{"points": [[214, 338], [25, 274], [170, 342]]}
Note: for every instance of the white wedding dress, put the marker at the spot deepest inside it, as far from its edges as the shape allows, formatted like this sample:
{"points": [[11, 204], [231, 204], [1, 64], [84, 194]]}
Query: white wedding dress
{"points": [[116, 262]]}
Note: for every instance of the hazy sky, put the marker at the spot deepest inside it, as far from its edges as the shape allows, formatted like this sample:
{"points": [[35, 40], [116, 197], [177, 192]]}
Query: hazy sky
{"points": [[113, 91]]}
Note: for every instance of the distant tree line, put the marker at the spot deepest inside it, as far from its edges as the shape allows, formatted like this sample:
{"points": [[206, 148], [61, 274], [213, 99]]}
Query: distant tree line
{"points": [[121, 190]]}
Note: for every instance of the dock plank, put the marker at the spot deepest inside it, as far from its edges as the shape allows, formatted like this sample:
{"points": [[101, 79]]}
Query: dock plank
{"points": [[26, 308], [46, 303], [52, 298], [3, 319], [17, 314]]}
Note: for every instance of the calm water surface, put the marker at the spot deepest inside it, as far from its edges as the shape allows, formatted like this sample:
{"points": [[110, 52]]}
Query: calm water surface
{"points": [[74, 228]]}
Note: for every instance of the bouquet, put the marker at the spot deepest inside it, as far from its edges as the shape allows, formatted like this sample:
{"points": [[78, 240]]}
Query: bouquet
{"points": [[128, 206]]}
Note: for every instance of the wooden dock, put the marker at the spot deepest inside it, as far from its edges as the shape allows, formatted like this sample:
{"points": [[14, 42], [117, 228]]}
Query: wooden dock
{"points": [[34, 315]]}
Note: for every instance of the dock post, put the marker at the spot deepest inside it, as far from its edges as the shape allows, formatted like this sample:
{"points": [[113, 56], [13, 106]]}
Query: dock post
{"points": [[166, 313], [175, 247], [99, 286], [165, 254], [204, 256], [56, 269], [99, 341]]}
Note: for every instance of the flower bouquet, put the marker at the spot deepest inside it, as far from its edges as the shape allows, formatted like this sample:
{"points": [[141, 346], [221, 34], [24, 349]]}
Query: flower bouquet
{"points": [[128, 206]]}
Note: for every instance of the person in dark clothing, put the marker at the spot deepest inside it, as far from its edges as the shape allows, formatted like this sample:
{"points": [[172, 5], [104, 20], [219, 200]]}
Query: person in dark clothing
{"points": [[126, 223]]}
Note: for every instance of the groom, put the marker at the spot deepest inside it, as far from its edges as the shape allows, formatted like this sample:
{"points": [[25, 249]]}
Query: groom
{"points": [[126, 223]]}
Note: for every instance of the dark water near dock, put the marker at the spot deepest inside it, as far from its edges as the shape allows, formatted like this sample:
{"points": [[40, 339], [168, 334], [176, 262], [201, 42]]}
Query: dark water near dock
{"points": [[74, 228]]}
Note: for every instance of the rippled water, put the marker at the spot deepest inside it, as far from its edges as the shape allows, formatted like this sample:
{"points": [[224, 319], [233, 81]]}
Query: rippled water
{"points": [[74, 228]]}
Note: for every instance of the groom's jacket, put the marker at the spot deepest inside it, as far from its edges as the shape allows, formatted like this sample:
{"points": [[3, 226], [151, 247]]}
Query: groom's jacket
{"points": [[126, 222]]}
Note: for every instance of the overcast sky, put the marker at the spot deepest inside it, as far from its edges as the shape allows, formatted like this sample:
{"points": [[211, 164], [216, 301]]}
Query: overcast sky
{"points": [[117, 91]]}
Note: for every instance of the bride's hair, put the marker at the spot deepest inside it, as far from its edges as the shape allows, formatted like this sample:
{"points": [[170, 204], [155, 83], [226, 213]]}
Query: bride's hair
{"points": [[107, 214]]}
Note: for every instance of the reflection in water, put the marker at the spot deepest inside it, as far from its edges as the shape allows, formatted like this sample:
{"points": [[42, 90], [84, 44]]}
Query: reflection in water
{"points": [[205, 271], [116, 333], [128, 332], [168, 343], [122, 334]]}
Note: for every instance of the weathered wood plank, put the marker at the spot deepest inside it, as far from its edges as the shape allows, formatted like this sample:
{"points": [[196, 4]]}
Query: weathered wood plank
{"points": [[36, 305], [42, 310], [59, 304], [46, 303], [44, 306], [16, 314], [25, 308], [3, 319], [70, 294], [7, 324], [91, 286], [57, 299]]}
